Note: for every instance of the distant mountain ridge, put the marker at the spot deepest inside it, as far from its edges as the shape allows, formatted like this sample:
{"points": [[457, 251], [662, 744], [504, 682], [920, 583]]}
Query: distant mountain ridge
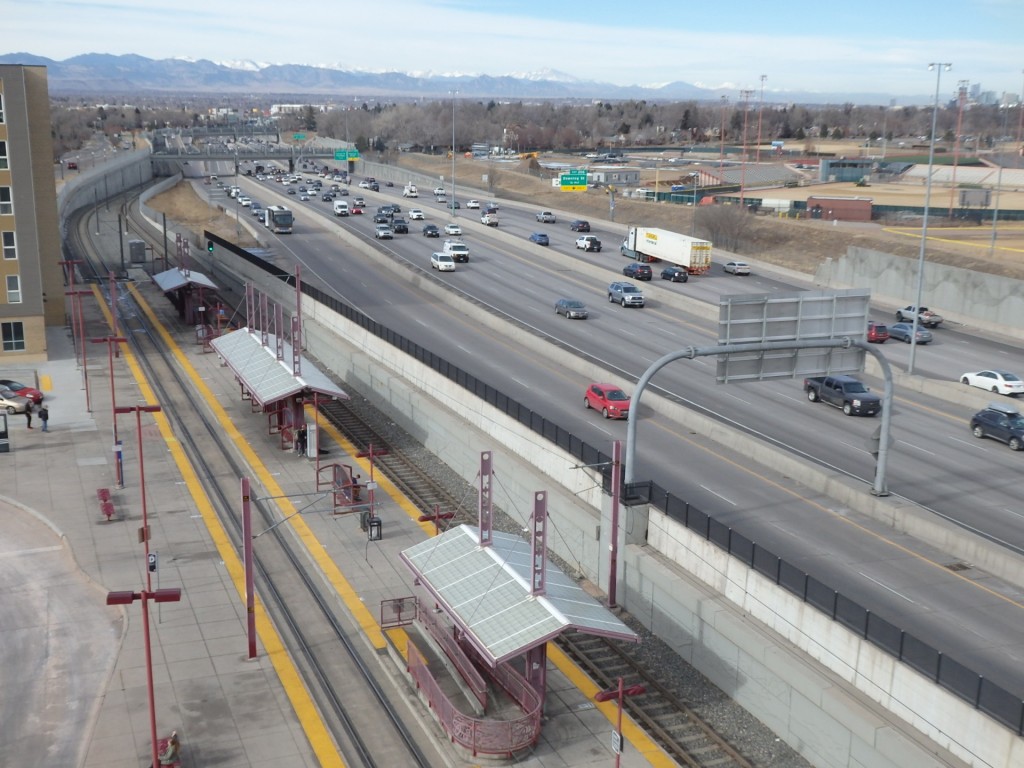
{"points": [[102, 73]]}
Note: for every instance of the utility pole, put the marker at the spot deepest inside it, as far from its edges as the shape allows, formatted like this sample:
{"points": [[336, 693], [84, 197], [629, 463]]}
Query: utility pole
{"points": [[760, 110], [745, 96]]}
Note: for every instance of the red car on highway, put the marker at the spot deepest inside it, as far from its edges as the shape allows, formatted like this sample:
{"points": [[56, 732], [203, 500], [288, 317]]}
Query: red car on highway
{"points": [[611, 401]]}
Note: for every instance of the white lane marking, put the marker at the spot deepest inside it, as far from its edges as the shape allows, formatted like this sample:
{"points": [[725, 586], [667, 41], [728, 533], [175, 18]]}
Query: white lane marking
{"points": [[522, 384], [736, 397], [975, 444], [723, 498], [916, 447], [885, 586]]}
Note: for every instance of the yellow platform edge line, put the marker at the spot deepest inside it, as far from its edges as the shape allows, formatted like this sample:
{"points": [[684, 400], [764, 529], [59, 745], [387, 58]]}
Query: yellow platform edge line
{"points": [[305, 709], [633, 733]]}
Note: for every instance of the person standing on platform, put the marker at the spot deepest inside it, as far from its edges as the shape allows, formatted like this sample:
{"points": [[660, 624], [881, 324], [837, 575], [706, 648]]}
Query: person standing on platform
{"points": [[28, 414], [44, 416], [301, 436]]}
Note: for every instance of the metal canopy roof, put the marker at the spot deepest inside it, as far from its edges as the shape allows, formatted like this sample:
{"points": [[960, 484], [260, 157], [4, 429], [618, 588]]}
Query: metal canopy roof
{"points": [[486, 591], [265, 377], [176, 278]]}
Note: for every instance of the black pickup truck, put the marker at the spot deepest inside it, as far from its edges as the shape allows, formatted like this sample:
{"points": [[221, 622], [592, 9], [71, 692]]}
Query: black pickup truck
{"points": [[843, 392]]}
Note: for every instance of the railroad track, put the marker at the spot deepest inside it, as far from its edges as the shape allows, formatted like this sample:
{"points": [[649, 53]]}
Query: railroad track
{"points": [[661, 711], [369, 734]]}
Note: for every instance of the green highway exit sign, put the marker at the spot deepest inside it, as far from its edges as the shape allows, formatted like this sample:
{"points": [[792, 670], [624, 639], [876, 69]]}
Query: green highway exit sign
{"points": [[346, 154], [298, 136], [573, 181]]}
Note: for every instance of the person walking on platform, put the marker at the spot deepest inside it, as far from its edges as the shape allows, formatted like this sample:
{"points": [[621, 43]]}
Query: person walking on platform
{"points": [[28, 414], [44, 416]]}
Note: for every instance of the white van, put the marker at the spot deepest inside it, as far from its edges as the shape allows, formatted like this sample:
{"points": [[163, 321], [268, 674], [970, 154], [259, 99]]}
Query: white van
{"points": [[340, 208]]}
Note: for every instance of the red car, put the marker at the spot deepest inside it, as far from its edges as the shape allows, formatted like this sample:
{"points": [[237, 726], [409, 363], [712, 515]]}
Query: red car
{"points": [[877, 333], [611, 401], [355, 210], [18, 388]]}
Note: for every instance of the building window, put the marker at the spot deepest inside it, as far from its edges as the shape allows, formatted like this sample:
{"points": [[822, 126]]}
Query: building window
{"points": [[3, 156], [6, 202], [13, 289], [13, 336], [1, 108], [9, 246]]}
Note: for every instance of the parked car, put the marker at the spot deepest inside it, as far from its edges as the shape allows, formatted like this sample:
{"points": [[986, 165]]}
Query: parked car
{"points": [[452, 229], [737, 268], [638, 271], [431, 230], [877, 333], [24, 390], [927, 318], [1000, 422], [675, 274], [12, 402], [579, 225], [415, 214], [572, 309], [904, 331], [997, 382], [611, 401], [539, 238], [442, 262]]}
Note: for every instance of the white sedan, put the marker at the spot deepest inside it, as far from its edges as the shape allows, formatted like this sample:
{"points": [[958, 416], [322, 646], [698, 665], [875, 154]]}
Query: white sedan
{"points": [[415, 214], [473, 204], [442, 262], [737, 268], [996, 382], [452, 229]]}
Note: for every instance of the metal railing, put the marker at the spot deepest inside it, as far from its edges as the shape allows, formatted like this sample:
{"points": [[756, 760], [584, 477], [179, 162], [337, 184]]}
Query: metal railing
{"points": [[1000, 704], [445, 638], [489, 737]]}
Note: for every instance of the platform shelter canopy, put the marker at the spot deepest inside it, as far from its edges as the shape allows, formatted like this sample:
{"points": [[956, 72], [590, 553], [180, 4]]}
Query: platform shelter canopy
{"points": [[266, 378], [486, 592], [173, 279]]}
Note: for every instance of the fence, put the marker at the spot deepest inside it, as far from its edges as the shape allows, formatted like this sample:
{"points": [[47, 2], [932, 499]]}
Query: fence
{"points": [[995, 701]]}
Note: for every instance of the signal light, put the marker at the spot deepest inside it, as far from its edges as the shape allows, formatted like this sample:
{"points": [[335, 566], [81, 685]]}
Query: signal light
{"points": [[209, 245]]}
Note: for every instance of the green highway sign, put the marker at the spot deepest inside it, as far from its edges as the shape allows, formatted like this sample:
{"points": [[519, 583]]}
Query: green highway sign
{"points": [[298, 136], [573, 181], [346, 154]]}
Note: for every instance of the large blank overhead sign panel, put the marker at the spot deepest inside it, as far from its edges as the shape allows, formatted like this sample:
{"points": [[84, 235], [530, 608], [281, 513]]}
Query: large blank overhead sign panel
{"points": [[796, 320]]}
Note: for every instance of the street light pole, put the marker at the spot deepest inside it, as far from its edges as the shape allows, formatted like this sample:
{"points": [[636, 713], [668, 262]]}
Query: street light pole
{"points": [[158, 596], [452, 203], [110, 341], [937, 66], [760, 110], [139, 410]]}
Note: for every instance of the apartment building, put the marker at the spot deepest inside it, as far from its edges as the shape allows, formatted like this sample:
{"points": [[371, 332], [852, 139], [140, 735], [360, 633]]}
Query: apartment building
{"points": [[31, 278]]}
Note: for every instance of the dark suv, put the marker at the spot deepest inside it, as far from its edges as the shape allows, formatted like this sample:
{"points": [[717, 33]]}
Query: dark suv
{"points": [[579, 225], [1001, 422], [638, 271]]}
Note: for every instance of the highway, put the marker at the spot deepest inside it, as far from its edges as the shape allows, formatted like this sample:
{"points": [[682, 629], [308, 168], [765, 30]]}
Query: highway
{"points": [[935, 462]]}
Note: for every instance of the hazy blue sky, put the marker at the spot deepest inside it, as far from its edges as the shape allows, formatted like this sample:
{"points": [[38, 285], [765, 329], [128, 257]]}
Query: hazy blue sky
{"points": [[867, 46]]}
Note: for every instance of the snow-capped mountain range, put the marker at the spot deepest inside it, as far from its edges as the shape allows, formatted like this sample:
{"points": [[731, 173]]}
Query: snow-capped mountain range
{"points": [[107, 74]]}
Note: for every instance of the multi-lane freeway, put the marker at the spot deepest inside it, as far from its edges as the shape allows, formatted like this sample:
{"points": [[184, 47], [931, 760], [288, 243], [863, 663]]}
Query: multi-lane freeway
{"points": [[935, 462]]}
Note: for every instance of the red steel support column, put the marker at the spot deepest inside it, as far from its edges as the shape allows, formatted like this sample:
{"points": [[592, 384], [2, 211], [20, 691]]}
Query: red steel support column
{"points": [[250, 593], [613, 546]]}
